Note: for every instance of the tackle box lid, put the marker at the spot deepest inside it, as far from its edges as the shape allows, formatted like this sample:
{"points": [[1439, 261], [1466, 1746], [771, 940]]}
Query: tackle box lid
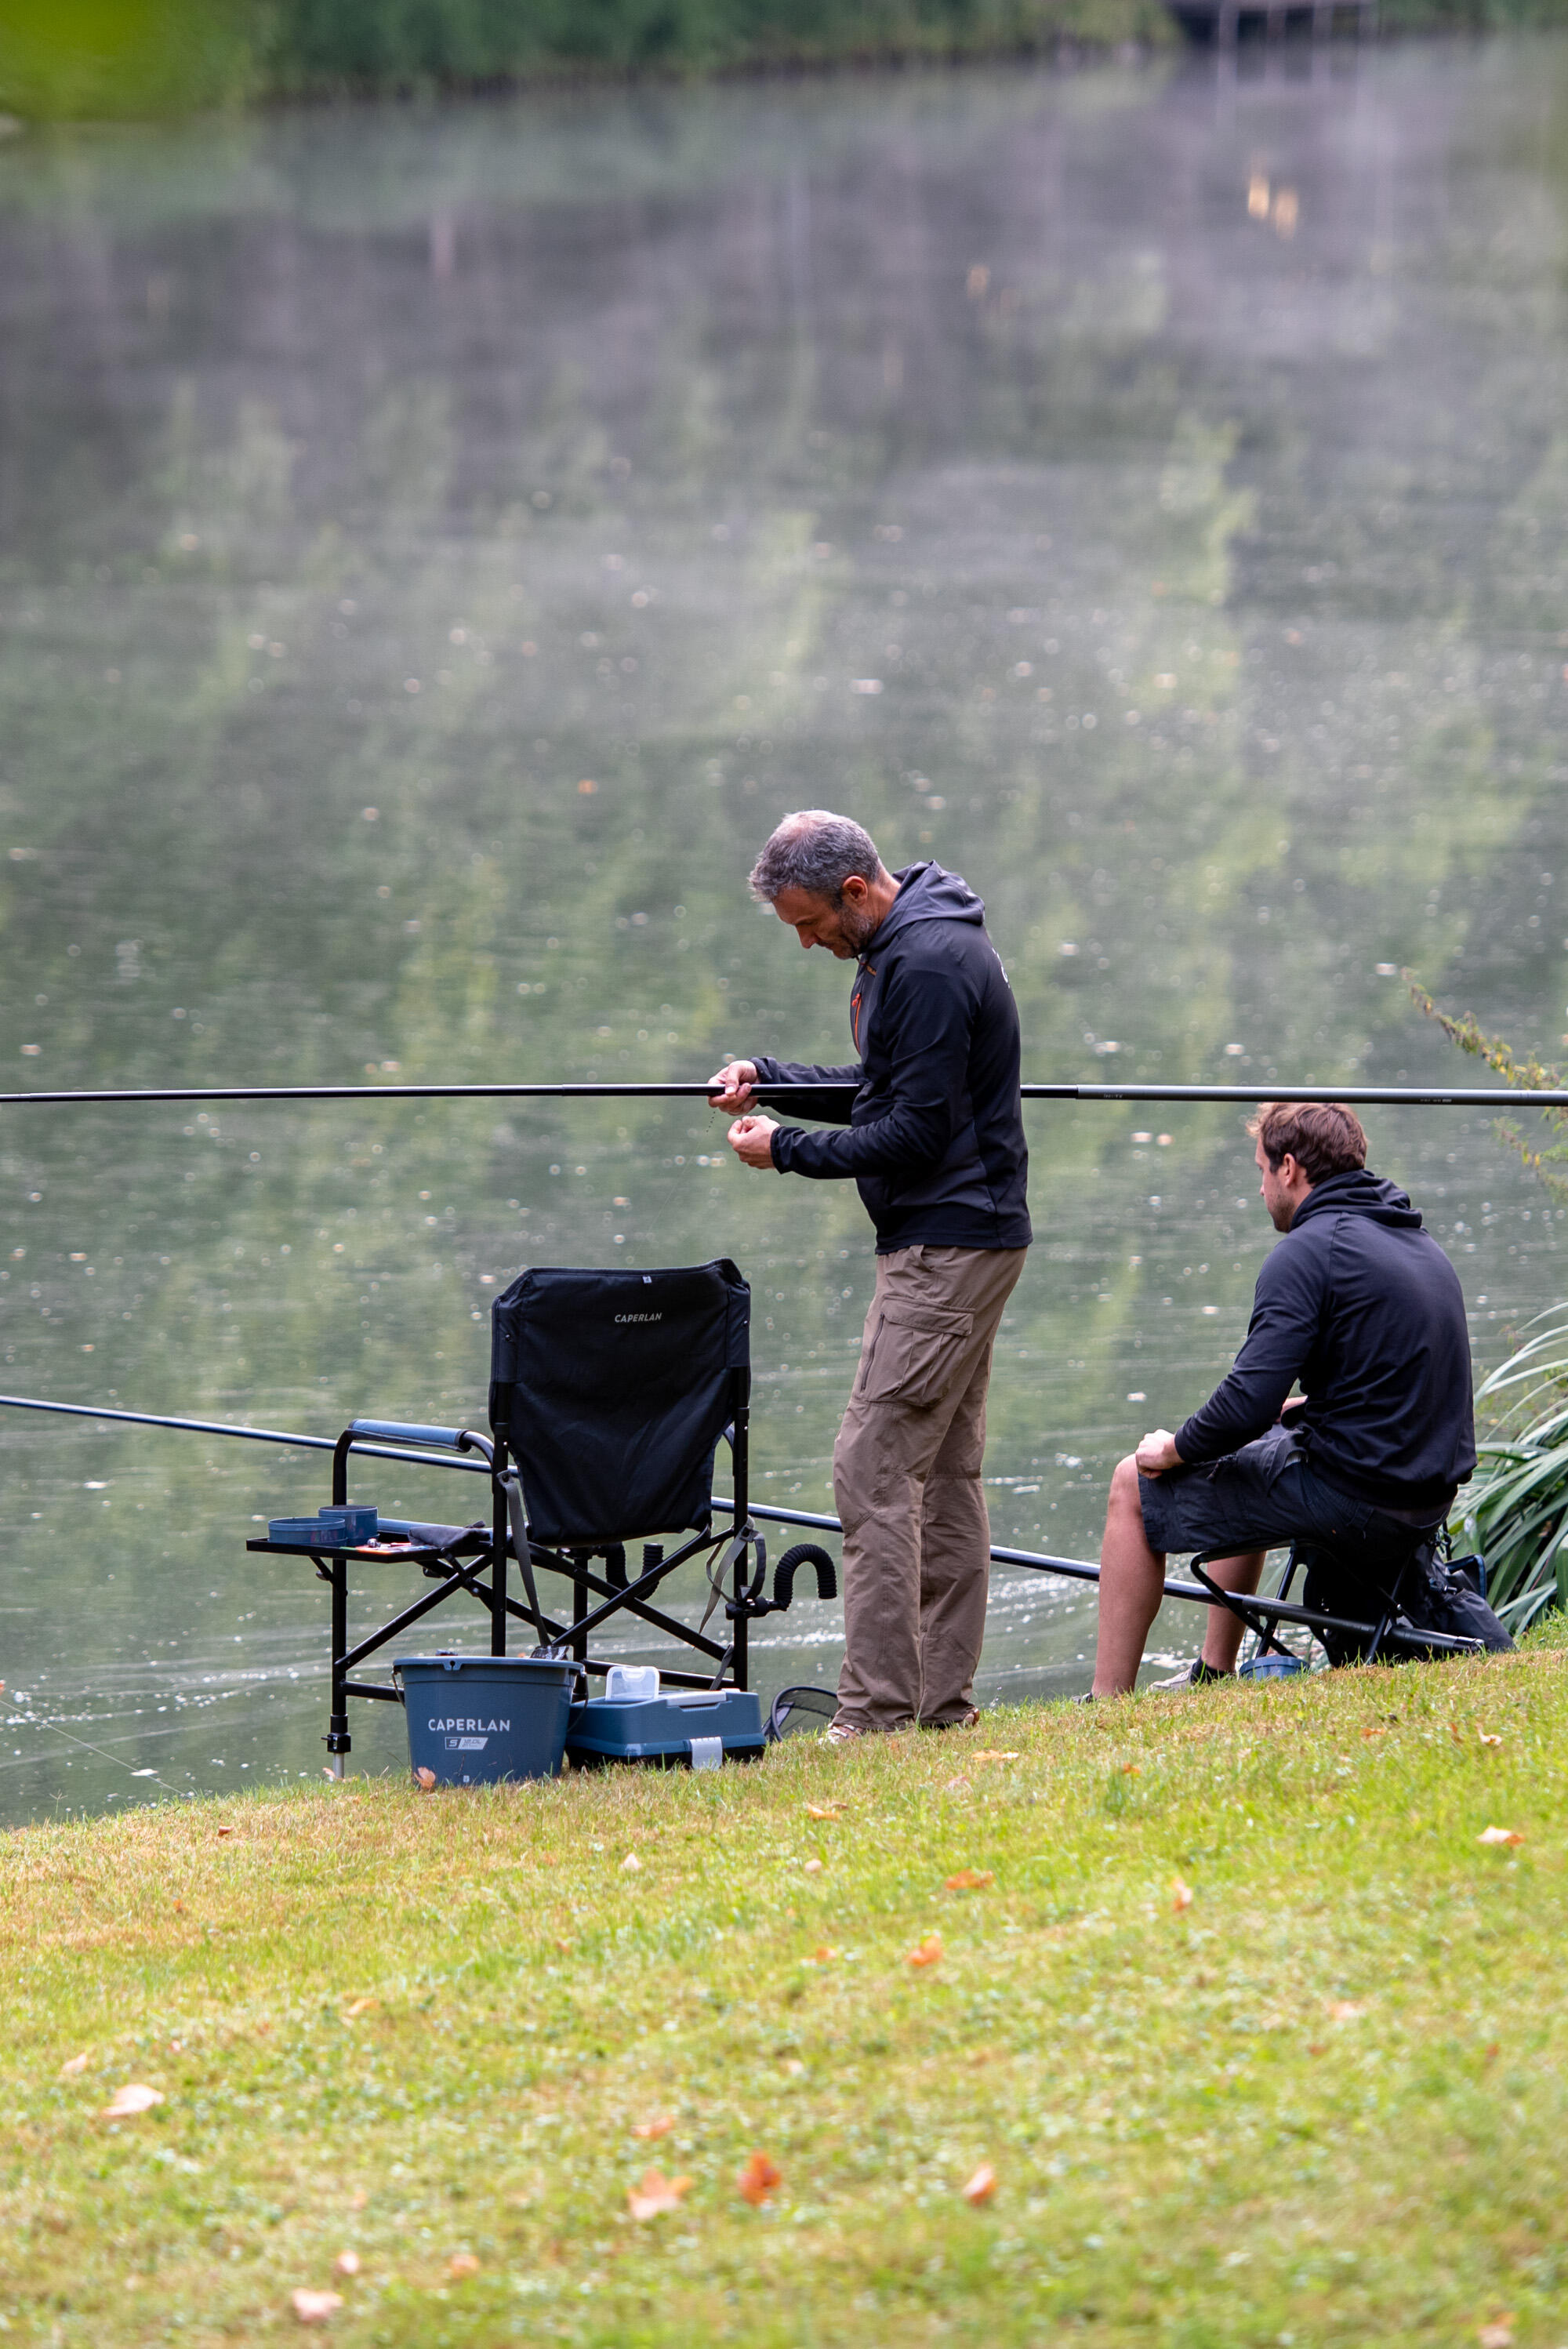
{"points": [[635, 1728]]}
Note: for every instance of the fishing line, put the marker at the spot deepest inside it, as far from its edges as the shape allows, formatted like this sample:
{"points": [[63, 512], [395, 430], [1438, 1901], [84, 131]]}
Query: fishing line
{"points": [[31, 1720]]}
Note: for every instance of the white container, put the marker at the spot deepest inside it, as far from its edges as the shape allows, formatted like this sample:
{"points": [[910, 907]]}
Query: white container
{"points": [[631, 1684]]}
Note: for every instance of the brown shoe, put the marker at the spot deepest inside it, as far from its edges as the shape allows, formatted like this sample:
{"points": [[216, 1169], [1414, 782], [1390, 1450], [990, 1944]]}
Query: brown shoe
{"points": [[968, 1719]]}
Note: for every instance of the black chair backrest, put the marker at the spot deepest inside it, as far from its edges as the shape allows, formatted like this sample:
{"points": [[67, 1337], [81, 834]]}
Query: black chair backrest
{"points": [[613, 1389]]}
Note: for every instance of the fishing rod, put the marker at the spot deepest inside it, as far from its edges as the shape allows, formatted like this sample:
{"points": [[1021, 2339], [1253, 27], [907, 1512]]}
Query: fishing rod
{"points": [[1388, 1096], [1074, 1568]]}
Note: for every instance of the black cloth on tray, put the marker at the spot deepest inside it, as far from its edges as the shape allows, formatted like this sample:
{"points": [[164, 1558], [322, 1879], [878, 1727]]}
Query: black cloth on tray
{"points": [[612, 1390]]}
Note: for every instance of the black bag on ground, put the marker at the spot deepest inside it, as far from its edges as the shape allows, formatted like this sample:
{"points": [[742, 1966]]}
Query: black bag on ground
{"points": [[1435, 1597], [613, 1389]]}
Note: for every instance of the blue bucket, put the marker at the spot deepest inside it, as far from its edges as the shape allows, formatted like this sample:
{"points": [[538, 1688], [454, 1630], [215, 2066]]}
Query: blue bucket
{"points": [[474, 1720], [1271, 1666]]}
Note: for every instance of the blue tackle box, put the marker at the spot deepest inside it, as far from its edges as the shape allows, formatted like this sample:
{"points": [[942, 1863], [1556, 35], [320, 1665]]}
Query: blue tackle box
{"points": [[701, 1727]]}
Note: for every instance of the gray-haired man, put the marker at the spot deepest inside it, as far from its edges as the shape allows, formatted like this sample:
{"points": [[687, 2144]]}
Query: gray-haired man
{"points": [[935, 1143]]}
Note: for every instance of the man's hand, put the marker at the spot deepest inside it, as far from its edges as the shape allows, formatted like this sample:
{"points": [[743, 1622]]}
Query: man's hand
{"points": [[751, 1138], [730, 1087], [1157, 1452]]}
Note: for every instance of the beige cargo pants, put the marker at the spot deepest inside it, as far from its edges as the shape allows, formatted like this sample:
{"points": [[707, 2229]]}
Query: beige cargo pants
{"points": [[906, 1479]]}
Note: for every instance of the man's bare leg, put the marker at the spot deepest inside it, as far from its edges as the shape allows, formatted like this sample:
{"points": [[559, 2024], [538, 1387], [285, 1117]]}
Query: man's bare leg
{"points": [[1131, 1575]]}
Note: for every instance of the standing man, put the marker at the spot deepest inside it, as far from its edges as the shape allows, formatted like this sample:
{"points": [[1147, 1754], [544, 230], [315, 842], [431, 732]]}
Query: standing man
{"points": [[934, 1140]]}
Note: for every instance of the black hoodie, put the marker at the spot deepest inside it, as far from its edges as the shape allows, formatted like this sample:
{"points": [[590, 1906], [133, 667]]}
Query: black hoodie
{"points": [[1363, 1307], [935, 1137]]}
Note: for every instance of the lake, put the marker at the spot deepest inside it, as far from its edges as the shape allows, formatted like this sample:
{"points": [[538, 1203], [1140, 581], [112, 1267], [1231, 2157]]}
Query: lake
{"points": [[438, 543]]}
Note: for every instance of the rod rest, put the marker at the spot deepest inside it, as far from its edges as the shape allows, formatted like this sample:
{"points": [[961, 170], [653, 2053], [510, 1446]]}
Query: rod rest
{"points": [[803, 1554]]}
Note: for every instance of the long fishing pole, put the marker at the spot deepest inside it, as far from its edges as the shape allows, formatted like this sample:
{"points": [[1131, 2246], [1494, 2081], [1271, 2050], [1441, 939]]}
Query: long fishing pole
{"points": [[1391, 1096], [1075, 1569]]}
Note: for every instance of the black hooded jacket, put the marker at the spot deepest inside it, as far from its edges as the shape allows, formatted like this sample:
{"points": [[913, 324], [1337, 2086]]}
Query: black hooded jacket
{"points": [[1361, 1305], [935, 1138]]}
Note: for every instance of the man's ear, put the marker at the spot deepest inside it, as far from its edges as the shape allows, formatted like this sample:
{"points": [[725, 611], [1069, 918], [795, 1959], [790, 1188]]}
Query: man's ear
{"points": [[855, 886]]}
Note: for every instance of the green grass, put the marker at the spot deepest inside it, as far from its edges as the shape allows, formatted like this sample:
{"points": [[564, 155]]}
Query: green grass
{"points": [[1323, 2103]]}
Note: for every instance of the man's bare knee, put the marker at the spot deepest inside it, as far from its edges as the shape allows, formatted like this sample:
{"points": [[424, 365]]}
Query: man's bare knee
{"points": [[1124, 1492]]}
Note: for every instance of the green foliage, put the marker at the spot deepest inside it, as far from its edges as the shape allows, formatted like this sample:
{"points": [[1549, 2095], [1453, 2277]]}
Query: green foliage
{"points": [[69, 59], [1516, 1510], [136, 58], [1530, 1075], [394, 43]]}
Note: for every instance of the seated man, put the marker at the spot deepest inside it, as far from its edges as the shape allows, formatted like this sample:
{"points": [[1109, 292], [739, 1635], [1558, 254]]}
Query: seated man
{"points": [[1361, 1305]]}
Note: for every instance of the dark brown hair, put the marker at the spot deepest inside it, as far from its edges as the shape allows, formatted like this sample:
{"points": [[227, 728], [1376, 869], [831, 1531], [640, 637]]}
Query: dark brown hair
{"points": [[1323, 1138]]}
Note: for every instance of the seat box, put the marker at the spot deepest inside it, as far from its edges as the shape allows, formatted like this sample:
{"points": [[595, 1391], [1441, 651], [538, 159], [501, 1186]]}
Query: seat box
{"points": [[697, 1728]]}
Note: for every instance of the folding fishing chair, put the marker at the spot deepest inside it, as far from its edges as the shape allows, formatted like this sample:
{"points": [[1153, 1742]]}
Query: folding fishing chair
{"points": [[610, 1393], [1388, 1596]]}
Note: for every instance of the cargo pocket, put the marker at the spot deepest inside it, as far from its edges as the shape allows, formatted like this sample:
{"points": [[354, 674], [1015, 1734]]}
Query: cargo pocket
{"points": [[915, 1354]]}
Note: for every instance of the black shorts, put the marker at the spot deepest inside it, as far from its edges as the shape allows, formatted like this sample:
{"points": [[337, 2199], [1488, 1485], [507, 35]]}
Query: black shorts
{"points": [[1263, 1496]]}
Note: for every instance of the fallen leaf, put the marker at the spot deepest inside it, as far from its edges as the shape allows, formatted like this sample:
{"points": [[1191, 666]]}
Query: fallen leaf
{"points": [[316, 2307], [1487, 1739], [793, 2065], [347, 2263], [660, 2126], [1374, 1732], [74, 2065], [631, 1863], [223, 1831], [1498, 2334], [462, 2263], [971, 1879], [822, 1955], [958, 1786], [823, 1810], [1500, 1835], [812, 1867], [1455, 1733], [982, 2186], [994, 1754], [929, 1953], [358, 2199], [656, 2195], [134, 2098], [360, 2006], [1181, 1895], [1345, 2010], [758, 2180], [426, 1779]]}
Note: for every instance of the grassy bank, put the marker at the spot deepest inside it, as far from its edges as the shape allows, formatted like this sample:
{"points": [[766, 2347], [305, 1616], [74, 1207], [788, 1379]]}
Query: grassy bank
{"points": [[1321, 2100], [64, 59]]}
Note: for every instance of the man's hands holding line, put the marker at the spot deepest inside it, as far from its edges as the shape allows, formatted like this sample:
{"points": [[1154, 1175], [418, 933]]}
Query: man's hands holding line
{"points": [[750, 1138], [730, 1087]]}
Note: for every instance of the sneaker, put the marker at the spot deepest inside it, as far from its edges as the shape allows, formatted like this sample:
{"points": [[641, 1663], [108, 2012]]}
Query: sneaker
{"points": [[968, 1719], [1198, 1675], [841, 1733]]}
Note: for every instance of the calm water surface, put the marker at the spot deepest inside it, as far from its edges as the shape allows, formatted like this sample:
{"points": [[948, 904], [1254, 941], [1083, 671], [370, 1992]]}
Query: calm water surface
{"points": [[435, 546]]}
